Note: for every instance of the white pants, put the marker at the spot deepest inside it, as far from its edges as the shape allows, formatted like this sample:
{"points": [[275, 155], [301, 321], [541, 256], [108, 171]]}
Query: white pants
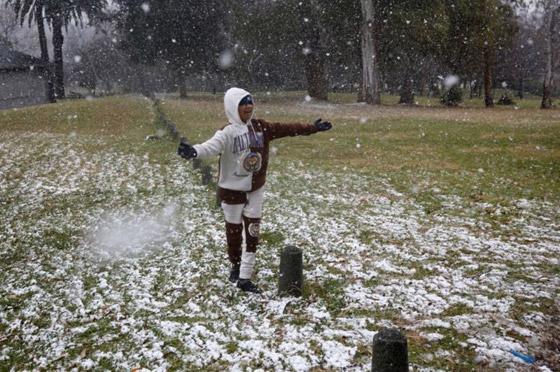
{"points": [[234, 213]]}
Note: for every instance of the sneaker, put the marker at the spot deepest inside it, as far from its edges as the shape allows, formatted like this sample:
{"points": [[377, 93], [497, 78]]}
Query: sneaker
{"points": [[234, 273], [246, 285]]}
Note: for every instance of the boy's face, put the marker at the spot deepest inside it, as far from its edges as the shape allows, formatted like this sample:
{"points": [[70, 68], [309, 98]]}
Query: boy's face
{"points": [[245, 111]]}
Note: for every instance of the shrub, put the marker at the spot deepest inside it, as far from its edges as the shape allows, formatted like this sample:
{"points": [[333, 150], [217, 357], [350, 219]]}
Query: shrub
{"points": [[453, 96], [505, 100]]}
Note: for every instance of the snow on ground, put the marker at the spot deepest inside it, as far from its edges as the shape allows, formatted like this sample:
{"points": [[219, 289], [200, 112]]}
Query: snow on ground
{"points": [[114, 260]]}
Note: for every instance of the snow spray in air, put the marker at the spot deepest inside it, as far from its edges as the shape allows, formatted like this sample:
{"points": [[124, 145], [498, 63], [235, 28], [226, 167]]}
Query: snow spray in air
{"points": [[126, 234]]}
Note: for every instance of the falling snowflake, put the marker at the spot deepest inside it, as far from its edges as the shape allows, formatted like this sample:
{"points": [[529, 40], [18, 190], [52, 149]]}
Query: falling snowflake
{"points": [[226, 59], [450, 81]]}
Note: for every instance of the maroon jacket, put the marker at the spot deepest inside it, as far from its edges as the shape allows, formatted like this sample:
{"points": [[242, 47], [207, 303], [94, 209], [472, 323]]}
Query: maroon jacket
{"points": [[257, 141]]}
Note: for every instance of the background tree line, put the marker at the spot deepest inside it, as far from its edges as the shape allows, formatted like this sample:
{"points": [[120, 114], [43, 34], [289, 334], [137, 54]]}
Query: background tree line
{"points": [[403, 47]]}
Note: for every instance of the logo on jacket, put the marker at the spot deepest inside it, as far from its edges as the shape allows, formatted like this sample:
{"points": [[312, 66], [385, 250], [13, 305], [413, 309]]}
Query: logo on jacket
{"points": [[247, 140], [252, 162], [254, 229]]}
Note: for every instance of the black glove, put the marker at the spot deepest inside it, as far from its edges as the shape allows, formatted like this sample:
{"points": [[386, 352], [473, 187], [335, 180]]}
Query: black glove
{"points": [[186, 151], [322, 125]]}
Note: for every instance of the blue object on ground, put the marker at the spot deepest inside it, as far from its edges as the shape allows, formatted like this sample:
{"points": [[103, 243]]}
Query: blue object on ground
{"points": [[525, 358]]}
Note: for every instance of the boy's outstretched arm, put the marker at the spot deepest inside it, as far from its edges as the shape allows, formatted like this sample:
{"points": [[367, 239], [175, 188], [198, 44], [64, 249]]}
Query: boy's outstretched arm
{"points": [[279, 130], [186, 151], [322, 125], [214, 146]]}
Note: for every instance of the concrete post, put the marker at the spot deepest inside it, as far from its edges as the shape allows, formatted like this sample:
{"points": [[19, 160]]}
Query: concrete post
{"points": [[390, 351], [218, 198], [290, 282], [207, 175]]}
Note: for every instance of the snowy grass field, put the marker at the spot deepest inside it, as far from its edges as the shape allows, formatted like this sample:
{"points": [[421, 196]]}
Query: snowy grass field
{"points": [[444, 223]]}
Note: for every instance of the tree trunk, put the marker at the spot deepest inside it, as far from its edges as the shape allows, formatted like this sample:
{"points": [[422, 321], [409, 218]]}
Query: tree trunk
{"points": [[182, 84], [549, 73], [480, 85], [407, 97], [58, 40], [423, 84], [488, 94], [144, 84], [315, 73], [360, 87], [433, 90], [314, 52], [44, 50], [371, 90]]}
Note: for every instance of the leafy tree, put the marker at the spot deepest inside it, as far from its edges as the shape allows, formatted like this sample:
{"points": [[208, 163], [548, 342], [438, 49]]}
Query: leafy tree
{"points": [[521, 65], [477, 30], [342, 20], [102, 66], [298, 34], [187, 34], [270, 55], [409, 31]]}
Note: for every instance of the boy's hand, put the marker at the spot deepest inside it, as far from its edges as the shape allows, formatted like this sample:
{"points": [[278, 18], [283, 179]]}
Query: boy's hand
{"points": [[322, 125], [186, 151]]}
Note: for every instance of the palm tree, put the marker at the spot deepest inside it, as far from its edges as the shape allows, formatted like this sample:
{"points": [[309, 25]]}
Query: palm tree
{"points": [[34, 13], [58, 14], [44, 50]]}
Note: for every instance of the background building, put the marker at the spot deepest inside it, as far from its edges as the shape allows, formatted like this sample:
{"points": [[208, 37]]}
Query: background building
{"points": [[22, 79]]}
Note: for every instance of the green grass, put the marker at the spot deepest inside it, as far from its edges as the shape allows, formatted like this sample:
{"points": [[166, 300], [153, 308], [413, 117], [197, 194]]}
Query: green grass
{"points": [[496, 154], [459, 164], [128, 115]]}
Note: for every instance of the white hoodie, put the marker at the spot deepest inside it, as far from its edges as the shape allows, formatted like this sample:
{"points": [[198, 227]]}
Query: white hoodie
{"points": [[233, 175], [244, 147]]}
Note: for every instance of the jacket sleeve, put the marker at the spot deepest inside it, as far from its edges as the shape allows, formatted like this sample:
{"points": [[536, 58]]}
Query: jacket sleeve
{"points": [[279, 130], [214, 146]]}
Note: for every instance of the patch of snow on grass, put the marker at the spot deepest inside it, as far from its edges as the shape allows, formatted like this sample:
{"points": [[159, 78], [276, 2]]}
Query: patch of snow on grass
{"points": [[113, 254]]}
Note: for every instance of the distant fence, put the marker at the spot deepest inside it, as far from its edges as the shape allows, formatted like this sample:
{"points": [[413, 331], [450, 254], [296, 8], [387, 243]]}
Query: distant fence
{"points": [[206, 171], [171, 128]]}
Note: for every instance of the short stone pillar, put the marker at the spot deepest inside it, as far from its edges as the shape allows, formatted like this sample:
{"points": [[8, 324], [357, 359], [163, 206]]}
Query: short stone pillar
{"points": [[218, 198], [390, 351], [290, 281], [207, 175]]}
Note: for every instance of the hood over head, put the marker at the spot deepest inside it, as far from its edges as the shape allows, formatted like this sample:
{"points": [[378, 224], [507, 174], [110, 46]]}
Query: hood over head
{"points": [[231, 104]]}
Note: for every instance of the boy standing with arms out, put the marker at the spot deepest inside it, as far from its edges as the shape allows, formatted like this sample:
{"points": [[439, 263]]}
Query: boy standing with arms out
{"points": [[243, 146]]}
